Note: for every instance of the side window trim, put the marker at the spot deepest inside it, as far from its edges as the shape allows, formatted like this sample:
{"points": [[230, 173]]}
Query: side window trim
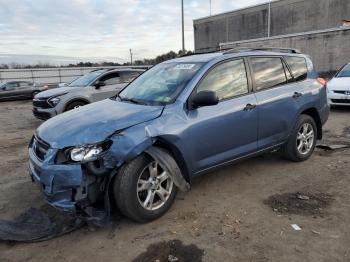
{"points": [[249, 81], [253, 77]]}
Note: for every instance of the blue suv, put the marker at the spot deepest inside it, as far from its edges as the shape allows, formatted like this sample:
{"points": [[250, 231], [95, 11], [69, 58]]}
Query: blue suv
{"points": [[180, 119]]}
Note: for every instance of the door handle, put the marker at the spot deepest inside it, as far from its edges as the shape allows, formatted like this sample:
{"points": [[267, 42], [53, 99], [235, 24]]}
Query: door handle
{"points": [[249, 107], [297, 94]]}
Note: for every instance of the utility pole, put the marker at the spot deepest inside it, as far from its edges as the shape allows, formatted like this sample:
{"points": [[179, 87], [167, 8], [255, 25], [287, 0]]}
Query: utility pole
{"points": [[209, 7], [130, 57], [269, 19], [183, 27]]}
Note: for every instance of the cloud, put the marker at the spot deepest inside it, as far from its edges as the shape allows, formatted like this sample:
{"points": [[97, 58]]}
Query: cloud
{"points": [[101, 28]]}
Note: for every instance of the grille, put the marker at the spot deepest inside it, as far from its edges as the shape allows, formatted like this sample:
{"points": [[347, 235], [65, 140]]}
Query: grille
{"points": [[41, 115], [341, 101], [40, 148], [41, 103]]}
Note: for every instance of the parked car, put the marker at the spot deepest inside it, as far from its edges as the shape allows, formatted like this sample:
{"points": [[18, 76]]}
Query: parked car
{"points": [[94, 86], [339, 87], [16, 90], [180, 119]]}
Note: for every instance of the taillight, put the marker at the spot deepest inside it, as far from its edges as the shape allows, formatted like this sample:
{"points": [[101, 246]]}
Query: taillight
{"points": [[322, 81], [45, 87]]}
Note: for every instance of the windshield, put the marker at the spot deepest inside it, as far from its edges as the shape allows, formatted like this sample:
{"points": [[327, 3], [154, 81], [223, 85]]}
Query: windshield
{"points": [[345, 72], [161, 84], [86, 79]]}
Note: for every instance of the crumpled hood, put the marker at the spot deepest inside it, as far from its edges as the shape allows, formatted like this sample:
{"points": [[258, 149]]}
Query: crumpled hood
{"points": [[55, 91], [93, 123], [339, 83]]}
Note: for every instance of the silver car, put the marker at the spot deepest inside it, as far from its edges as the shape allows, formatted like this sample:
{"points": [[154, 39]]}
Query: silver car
{"points": [[94, 86]]}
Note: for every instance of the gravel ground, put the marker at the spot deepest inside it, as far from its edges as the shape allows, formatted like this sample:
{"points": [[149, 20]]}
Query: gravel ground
{"points": [[227, 216]]}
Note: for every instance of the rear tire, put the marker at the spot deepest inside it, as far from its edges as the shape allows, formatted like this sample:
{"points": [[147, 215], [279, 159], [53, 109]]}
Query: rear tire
{"points": [[74, 105], [302, 140], [134, 184]]}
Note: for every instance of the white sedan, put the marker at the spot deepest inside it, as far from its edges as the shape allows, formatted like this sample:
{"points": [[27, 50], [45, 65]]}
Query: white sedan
{"points": [[339, 87]]}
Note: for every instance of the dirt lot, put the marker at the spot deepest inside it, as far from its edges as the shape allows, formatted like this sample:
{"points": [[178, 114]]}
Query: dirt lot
{"points": [[225, 217]]}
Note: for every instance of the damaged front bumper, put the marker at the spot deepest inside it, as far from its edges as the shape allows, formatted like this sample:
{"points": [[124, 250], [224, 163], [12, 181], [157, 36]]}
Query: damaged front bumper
{"points": [[59, 184]]}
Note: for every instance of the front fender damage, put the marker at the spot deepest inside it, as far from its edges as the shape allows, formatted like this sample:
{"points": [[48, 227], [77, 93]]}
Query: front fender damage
{"points": [[126, 145]]}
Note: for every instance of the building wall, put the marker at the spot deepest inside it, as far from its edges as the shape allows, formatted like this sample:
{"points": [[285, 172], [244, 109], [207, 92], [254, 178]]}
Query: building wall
{"points": [[328, 50], [287, 17]]}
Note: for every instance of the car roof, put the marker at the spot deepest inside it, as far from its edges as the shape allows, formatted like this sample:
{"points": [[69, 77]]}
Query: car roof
{"points": [[105, 70]]}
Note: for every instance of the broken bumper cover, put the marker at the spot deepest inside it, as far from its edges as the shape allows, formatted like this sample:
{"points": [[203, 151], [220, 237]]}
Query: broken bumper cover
{"points": [[57, 182]]}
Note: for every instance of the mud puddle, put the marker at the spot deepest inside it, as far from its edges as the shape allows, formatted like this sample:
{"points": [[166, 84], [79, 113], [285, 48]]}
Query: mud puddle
{"points": [[299, 203], [171, 251]]}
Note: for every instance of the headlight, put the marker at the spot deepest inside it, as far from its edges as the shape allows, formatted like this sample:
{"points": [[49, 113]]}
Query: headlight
{"points": [[54, 101], [88, 152], [83, 154]]}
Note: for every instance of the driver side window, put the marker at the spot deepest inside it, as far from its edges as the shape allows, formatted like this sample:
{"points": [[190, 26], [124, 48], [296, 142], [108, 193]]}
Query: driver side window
{"points": [[10, 86], [111, 79], [228, 80]]}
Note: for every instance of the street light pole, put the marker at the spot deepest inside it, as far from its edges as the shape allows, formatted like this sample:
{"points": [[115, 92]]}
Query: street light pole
{"points": [[183, 27], [130, 56]]}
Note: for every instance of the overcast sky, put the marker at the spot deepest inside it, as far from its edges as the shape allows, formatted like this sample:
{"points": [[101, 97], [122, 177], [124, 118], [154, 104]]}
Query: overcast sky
{"points": [[102, 28]]}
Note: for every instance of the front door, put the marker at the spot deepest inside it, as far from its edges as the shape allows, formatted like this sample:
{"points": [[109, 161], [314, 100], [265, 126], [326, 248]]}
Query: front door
{"points": [[228, 130], [9, 91], [112, 84]]}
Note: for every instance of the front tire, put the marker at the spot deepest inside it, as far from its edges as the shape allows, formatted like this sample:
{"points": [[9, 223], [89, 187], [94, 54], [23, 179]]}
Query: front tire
{"points": [[143, 191], [302, 140], [74, 105]]}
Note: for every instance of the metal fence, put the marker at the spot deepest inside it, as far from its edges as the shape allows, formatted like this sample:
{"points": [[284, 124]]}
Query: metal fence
{"points": [[51, 75]]}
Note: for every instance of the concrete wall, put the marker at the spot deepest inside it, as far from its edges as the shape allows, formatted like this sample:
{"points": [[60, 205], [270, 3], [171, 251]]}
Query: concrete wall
{"points": [[328, 50], [287, 17]]}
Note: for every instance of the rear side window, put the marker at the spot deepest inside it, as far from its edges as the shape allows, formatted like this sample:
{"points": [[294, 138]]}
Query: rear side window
{"points": [[128, 76], [298, 67], [228, 79], [24, 84], [268, 72]]}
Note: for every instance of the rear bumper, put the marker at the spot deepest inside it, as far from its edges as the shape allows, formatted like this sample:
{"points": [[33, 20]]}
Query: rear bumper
{"points": [[324, 113], [58, 183]]}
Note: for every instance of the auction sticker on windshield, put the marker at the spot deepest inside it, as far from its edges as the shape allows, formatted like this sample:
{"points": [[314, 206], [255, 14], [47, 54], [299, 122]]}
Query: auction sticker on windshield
{"points": [[184, 66]]}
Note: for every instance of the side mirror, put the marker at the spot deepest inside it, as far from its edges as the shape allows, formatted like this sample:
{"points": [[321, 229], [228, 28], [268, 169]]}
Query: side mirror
{"points": [[205, 98], [99, 83]]}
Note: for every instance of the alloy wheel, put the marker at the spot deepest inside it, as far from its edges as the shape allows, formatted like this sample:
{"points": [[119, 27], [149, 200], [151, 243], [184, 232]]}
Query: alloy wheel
{"points": [[154, 186], [305, 138]]}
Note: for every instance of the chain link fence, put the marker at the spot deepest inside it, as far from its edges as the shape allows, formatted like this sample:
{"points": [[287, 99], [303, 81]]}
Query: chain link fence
{"points": [[52, 76]]}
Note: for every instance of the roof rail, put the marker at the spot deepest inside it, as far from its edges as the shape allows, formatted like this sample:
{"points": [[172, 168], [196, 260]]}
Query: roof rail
{"points": [[272, 49]]}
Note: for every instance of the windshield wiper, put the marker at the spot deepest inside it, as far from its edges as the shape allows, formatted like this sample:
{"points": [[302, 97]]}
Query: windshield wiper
{"points": [[134, 101]]}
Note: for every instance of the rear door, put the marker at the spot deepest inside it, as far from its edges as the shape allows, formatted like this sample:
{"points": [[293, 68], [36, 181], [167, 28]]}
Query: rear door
{"points": [[225, 131], [112, 85], [25, 89], [277, 99]]}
